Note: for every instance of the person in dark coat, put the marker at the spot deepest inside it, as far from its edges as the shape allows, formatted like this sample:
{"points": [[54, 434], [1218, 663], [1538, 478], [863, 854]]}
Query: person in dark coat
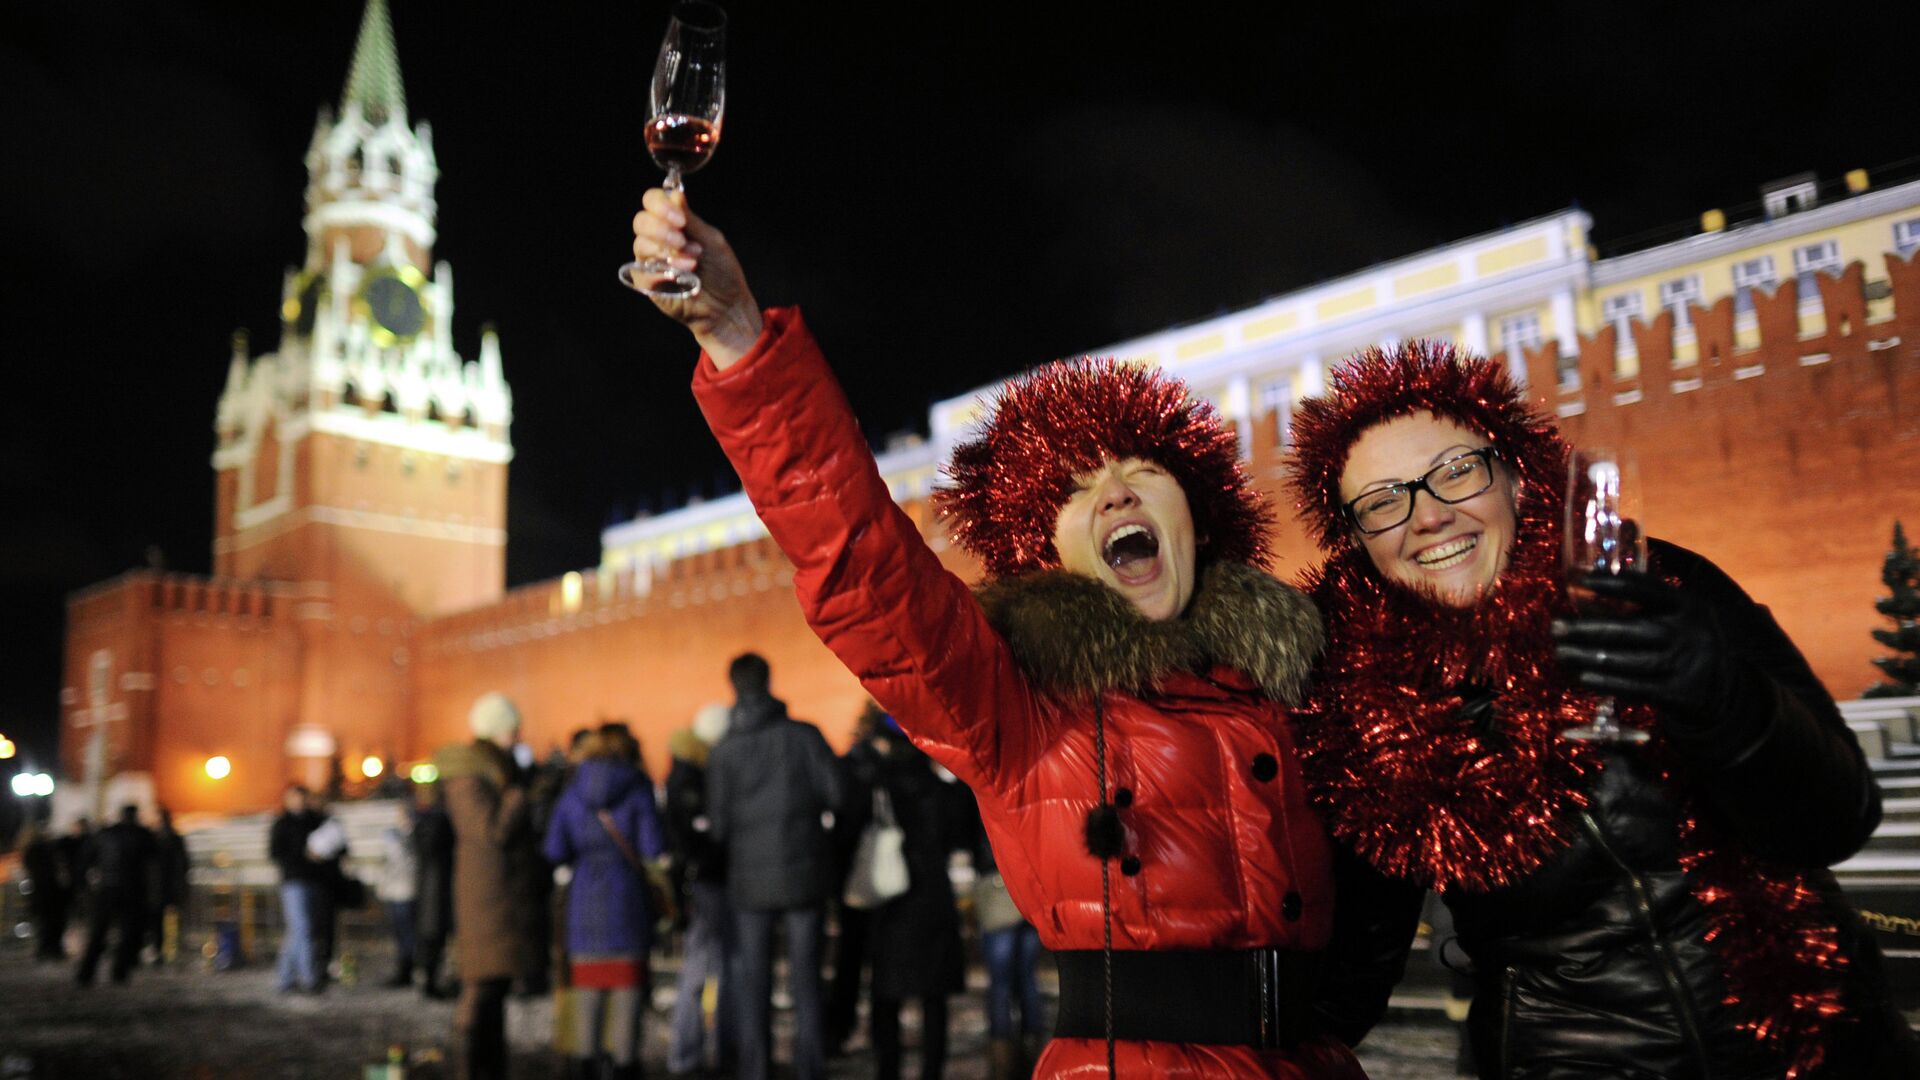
{"points": [[605, 826], [1658, 905], [169, 889], [768, 784], [303, 883], [46, 878], [914, 939], [495, 856], [859, 772], [432, 839], [699, 876], [115, 865]]}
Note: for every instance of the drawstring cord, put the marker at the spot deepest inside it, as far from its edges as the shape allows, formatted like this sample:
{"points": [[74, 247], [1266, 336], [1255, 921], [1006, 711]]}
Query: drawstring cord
{"points": [[1106, 879]]}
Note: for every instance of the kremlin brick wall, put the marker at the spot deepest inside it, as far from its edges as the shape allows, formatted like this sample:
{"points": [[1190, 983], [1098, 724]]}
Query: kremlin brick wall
{"points": [[1786, 463]]}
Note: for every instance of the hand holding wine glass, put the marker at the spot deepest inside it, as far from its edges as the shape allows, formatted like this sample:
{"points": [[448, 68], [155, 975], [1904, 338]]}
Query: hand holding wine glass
{"points": [[722, 314], [1602, 541], [686, 102]]}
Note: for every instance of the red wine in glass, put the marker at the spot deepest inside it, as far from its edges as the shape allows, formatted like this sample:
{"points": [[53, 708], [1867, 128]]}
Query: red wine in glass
{"points": [[686, 101], [1602, 536], [681, 143]]}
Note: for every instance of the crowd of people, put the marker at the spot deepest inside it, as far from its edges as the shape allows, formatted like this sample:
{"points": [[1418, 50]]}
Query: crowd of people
{"points": [[126, 882], [1219, 801]]}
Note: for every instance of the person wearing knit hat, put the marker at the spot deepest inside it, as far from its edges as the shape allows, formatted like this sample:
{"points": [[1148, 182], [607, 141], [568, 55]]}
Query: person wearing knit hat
{"points": [[496, 880], [1654, 905], [494, 719], [1117, 693]]}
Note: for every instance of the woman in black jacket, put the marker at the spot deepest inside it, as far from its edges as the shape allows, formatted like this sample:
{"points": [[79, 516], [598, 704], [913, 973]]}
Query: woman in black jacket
{"points": [[1661, 909], [914, 938]]}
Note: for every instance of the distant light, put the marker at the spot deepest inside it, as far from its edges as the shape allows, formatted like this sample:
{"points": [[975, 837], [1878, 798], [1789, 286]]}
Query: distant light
{"points": [[424, 773], [371, 766], [571, 588], [28, 785], [218, 767], [7, 748]]}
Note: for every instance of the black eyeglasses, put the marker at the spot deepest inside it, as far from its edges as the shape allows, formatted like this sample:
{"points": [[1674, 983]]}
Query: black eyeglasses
{"points": [[1454, 480]]}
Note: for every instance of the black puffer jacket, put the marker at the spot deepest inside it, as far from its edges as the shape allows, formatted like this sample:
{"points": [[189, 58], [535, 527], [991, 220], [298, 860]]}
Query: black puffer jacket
{"points": [[1598, 964]]}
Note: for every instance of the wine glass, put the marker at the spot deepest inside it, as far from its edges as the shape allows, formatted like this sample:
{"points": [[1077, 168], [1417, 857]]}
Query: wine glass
{"points": [[685, 104], [1602, 536]]}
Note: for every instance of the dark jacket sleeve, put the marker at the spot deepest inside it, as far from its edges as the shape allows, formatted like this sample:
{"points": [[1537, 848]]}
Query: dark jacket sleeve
{"points": [[1374, 919], [1776, 760]]}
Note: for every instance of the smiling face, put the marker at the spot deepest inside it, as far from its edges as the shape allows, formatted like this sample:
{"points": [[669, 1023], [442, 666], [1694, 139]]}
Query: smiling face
{"points": [[1455, 551], [1128, 526]]}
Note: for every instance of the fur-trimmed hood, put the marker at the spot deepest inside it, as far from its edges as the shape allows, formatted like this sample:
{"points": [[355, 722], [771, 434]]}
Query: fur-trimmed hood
{"points": [[1073, 636]]}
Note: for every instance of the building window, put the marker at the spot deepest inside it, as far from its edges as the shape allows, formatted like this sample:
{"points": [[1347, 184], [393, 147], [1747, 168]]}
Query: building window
{"points": [[1276, 399], [1748, 276], [1620, 310], [1518, 332], [1677, 295], [1906, 236], [1811, 260]]}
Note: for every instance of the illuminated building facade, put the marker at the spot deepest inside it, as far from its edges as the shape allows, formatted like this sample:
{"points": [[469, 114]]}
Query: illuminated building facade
{"points": [[1767, 371]]}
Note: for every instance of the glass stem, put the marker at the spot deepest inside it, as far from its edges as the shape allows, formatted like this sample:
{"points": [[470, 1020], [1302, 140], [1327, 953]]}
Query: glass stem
{"points": [[673, 180]]}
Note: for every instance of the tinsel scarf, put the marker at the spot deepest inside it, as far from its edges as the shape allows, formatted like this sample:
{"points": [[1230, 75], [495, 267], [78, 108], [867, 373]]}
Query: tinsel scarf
{"points": [[1434, 748]]}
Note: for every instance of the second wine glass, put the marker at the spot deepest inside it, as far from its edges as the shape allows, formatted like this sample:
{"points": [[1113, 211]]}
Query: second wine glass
{"points": [[686, 102], [1602, 536]]}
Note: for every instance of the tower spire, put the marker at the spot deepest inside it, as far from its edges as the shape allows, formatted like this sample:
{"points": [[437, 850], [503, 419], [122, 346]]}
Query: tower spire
{"points": [[374, 79]]}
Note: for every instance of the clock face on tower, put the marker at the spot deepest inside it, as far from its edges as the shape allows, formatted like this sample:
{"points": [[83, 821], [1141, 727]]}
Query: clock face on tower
{"points": [[392, 298]]}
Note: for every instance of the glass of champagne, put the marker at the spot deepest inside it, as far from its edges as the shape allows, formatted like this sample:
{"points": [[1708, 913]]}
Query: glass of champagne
{"points": [[686, 102], [1602, 536]]}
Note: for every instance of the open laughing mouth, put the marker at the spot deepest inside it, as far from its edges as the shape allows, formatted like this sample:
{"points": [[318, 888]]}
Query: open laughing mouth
{"points": [[1132, 552], [1448, 555]]}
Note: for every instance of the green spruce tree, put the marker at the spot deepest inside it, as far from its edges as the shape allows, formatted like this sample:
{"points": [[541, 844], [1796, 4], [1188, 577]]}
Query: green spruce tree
{"points": [[1901, 572]]}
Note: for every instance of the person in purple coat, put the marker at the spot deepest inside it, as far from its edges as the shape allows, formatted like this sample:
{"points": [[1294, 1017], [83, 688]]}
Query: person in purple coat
{"points": [[605, 827]]}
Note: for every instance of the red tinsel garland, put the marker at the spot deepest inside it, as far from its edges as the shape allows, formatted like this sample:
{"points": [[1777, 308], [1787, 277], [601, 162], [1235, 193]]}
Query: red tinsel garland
{"points": [[1429, 794]]}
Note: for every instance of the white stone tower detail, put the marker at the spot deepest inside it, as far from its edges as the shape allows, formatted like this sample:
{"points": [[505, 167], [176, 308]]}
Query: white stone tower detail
{"points": [[366, 356]]}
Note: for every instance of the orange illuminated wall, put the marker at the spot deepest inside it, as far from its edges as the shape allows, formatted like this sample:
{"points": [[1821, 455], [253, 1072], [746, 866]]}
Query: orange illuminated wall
{"points": [[1787, 464]]}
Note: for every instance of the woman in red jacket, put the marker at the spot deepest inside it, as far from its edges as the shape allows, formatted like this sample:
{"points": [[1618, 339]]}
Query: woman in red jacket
{"points": [[1116, 694]]}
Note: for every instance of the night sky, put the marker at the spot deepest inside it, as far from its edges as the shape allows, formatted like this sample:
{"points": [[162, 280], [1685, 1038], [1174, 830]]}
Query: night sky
{"points": [[953, 192]]}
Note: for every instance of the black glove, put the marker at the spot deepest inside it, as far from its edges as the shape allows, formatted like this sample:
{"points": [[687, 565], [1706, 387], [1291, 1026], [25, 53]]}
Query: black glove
{"points": [[1664, 648]]}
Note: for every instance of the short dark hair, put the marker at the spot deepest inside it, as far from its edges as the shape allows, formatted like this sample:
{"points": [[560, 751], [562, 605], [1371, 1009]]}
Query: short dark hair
{"points": [[130, 812], [749, 674]]}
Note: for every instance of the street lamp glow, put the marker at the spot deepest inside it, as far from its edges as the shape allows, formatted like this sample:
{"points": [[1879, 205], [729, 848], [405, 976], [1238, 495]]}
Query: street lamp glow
{"points": [[218, 767], [7, 748], [371, 766], [424, 773], [29, 785]]}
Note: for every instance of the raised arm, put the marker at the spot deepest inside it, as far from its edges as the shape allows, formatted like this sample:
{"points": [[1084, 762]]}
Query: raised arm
{"points": [[876, 595]]}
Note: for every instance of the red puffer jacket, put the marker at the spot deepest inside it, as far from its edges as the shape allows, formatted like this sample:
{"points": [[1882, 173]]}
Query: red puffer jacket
{"points": [[1223, 850]]}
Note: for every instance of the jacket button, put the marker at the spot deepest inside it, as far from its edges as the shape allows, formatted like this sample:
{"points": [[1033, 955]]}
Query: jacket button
{"points": [[1290, 906], [1265, 767], [1123, 797], [1130, 865]]}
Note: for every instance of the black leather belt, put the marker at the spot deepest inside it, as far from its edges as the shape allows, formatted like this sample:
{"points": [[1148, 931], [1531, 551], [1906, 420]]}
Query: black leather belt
{"points": [[1253, 997]]}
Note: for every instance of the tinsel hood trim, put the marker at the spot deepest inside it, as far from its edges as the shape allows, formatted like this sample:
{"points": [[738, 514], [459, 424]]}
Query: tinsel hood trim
{"points": [[1004, 489], [1377, 385], [1074, 637]]}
